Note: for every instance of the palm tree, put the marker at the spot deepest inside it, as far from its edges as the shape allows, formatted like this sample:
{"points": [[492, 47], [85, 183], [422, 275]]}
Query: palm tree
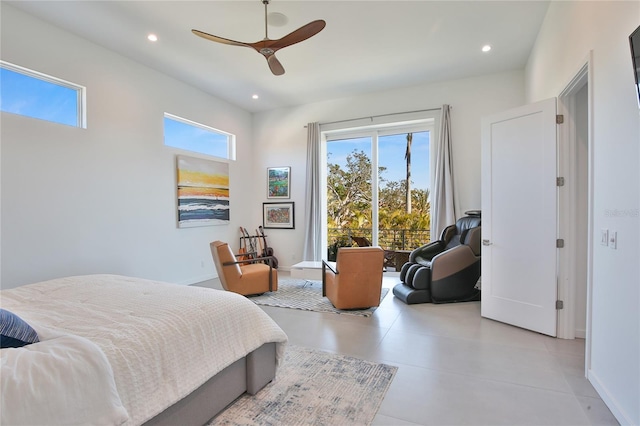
{"points": [[407, 157]]}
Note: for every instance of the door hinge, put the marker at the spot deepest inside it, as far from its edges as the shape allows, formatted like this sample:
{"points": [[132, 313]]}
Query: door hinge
{"points": [[559, 119], [559, 181], [559, 243], [559, 304]]}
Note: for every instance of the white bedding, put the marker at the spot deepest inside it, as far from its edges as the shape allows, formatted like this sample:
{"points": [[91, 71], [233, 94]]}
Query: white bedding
{"points": [[64, 377], [161, 340]]}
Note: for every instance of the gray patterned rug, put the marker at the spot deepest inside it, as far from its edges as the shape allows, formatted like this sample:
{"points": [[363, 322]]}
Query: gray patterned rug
{"points": [[307, 296], [313, 387]]}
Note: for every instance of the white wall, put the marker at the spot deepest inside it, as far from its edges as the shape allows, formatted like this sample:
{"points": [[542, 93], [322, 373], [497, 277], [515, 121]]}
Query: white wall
{"points": [[280, 136], [102, 200], [570, 31]]}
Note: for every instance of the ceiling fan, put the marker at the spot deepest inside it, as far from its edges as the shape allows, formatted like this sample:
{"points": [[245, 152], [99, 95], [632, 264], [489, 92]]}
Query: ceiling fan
{"points": [[268, 47]]}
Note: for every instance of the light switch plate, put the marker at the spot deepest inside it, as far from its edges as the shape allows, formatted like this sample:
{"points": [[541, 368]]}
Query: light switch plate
{"points": [[604, 236], [613, 240]]}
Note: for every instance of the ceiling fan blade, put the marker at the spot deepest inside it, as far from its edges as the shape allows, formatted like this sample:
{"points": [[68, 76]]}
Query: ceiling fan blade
{"points": [[301, 34], [274, 65], [267, 47], [219, 39]]}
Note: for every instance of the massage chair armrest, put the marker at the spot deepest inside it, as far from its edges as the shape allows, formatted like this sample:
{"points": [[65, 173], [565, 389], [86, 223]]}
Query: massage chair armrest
{"points": [[426, 252], [452, 261]]}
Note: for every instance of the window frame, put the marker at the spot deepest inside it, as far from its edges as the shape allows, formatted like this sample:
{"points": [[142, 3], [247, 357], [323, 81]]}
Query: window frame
{"points": [[81, 92]]}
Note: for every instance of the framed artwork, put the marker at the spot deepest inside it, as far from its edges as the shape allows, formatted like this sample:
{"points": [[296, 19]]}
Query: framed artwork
{"points": [[278, 215], [278, 182], [203, 192]]}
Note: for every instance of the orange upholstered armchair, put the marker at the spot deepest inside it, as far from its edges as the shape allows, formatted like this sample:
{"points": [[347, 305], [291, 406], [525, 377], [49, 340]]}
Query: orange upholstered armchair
{"points": [[245, 277], [356, 279]]}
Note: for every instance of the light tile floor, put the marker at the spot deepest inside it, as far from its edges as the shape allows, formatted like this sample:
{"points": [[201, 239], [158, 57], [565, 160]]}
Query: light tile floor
{"points": [[456, 368]]}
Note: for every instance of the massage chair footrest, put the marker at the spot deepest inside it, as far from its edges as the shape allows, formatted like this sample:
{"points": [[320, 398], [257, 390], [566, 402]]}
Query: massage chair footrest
{"points": [[410, 295]]}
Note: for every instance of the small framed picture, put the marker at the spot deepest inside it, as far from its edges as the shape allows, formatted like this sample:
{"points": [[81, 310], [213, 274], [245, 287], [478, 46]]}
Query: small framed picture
{"points": [[278, 215], [278, 182]]}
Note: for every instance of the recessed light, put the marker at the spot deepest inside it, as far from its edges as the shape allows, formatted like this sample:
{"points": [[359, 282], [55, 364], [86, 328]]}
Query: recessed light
{"points": [[486, 48], [152, 37], [255, 96]]}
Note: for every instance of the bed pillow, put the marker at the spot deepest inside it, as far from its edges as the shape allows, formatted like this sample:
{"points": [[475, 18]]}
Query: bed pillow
{"points": [[15, 332]]}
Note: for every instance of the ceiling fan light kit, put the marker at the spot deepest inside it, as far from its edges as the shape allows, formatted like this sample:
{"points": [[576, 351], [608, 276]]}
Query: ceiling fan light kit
{"points": [[268, 47], [277, 19]]}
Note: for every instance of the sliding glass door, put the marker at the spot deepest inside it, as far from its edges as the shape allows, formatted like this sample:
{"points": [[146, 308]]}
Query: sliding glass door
{"points": [[404, 216], [377, 189], [349, 193]]}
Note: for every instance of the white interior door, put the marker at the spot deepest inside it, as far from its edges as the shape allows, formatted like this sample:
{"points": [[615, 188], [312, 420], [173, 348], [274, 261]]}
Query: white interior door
{"points": [[519, 217]]}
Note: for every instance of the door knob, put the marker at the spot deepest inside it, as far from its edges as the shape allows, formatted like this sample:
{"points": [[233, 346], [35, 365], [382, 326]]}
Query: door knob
{"points": [[486, 242]]}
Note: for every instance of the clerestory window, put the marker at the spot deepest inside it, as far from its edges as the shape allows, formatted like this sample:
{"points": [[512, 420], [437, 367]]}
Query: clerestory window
{"points": [[33, 94], [195, 137]]}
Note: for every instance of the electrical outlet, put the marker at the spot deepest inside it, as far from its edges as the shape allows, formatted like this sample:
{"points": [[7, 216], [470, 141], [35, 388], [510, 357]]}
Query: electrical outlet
{"points": [[613, 240], [604, 237]]}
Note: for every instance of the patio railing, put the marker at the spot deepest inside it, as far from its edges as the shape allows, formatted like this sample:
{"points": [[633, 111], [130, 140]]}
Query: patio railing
{"points": [[388, 239]]}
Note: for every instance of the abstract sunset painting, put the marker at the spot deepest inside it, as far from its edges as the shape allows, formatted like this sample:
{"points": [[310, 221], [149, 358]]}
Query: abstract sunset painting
{"points": [[203, 192]]}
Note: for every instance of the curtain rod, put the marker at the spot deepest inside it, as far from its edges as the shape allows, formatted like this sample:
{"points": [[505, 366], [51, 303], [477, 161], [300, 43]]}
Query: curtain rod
{"points": [[371, 117]]}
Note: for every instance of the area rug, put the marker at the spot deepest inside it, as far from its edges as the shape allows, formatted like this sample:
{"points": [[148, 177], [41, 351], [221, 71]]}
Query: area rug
{"points": [[307, 296], [313, 387]]}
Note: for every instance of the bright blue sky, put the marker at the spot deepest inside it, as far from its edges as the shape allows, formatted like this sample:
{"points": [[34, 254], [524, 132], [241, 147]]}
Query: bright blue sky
{"points": [[193, 138], [26, 95], [391, 150]]}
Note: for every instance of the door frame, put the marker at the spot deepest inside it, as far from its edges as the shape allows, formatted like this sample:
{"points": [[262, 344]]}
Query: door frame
{"points": [[567, 204]]}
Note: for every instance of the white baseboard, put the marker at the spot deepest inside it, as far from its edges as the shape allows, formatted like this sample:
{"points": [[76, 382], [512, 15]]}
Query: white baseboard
{"points": [[196, 280], [581, 334], [609, 400]]}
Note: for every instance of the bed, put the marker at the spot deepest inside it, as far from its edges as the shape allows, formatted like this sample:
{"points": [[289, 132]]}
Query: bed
{"points": [[128, 351]]}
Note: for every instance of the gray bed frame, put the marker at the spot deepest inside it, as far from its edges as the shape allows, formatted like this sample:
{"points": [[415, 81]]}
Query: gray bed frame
{"points": [[248, 374]]}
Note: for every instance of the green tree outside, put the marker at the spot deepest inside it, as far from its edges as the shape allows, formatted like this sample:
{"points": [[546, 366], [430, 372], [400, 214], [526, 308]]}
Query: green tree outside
{"points": [[349, 206]]}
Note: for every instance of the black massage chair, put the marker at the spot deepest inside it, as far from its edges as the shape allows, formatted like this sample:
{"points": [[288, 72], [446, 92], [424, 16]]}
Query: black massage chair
{"points": [[445, 270]]}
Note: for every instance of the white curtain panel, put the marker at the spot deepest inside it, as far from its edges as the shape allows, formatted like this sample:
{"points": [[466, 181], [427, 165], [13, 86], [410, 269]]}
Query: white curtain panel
{"points": [[312, 243], [443, 211]]}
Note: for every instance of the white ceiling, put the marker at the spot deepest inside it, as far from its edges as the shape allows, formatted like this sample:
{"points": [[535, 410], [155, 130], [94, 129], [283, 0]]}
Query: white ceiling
{"points": [[366, 46]]}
